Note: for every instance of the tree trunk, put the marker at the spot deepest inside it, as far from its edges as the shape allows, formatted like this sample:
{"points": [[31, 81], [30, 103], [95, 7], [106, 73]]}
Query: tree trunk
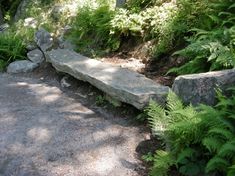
{"points": [[120, 3]]}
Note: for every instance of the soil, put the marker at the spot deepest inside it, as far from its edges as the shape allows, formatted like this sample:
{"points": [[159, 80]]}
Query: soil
{"points": [[153, 69]]}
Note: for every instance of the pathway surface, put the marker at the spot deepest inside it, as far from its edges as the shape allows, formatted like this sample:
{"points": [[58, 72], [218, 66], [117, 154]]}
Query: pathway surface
{"points": [[43, 131]]}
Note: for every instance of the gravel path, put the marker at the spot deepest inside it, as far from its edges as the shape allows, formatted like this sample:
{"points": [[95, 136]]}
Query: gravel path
{"points": [[43, 131]]}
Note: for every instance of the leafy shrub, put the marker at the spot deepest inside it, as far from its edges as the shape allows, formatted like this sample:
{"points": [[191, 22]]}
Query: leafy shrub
{"points": [[10, 6], [199, 141], [11, 48], [164, 21], [92, 29], [213, 48]]}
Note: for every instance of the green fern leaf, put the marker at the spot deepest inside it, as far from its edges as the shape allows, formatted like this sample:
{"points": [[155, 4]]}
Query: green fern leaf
{"points": [[184, 155], [225, 133], [212, 144], [228, 149], [157, 118], [174, 102], [231, 170], [163, 161], [216, 163]]}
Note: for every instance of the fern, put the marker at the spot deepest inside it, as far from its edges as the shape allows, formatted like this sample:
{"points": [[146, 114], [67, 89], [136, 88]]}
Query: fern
{"points": [[228, 149], [156, 117], [200, 140], [162, 162], [214, 47], [211, 144], [231, 171], [217, 163]]}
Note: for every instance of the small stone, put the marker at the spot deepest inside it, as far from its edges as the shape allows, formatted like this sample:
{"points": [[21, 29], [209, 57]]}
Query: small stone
{"points": [[64, 82], [44, 40], [31, 46], [36, 56], [22, 66], [4, 27]]}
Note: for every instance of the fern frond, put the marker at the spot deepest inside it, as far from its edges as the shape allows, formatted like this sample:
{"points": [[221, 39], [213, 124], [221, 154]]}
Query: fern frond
{"points": [[228, 149], [174, 102], [222, 132], [212, 144], [163, 161], [231, 170], [184, 155], [216, 163], [156, 117]]}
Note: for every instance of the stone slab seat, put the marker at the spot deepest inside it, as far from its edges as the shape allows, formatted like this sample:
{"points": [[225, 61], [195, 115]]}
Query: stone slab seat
{"points": [[120, 83]]}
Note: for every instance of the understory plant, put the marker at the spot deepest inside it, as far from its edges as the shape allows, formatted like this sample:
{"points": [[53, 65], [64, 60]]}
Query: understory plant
{"points": [[198, 140], [91, 30], [164, 23], [11, 48], [211, 48]]}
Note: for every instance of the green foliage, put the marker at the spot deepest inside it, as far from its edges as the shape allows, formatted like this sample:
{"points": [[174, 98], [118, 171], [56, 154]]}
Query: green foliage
{"points": [[100, 100], [212, 48], [92, 29], [9, 7], [164, 22], [199, 140], [162, 162], [11, 48]]}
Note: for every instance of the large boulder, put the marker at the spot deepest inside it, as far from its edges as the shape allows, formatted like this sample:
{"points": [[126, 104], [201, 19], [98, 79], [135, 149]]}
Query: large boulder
{"points": [[201, 88], [22, 66], [44, 40], [36, 56]]}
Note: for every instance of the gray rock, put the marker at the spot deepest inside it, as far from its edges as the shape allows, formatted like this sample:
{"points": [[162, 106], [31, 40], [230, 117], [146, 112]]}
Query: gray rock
{"points": [[36, 56], [66, 45], [64, 82], [122, 84], [200, 88], [4, 27], [31, 46], [22, 66], [120, 3], [44, 40], [21, 9]]}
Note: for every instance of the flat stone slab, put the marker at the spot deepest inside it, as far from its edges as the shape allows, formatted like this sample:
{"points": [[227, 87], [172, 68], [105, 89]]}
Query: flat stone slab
{"points": [[122, 84], [200, 88]]}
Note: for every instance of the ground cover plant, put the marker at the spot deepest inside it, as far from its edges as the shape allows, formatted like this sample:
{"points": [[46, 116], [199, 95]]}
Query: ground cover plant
{"points": [[162, 22], [11, 48], [198, 140], [211, 47]]}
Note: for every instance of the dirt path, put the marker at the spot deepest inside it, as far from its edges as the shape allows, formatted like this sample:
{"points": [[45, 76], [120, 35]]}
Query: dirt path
{"points": [[44, 131]]}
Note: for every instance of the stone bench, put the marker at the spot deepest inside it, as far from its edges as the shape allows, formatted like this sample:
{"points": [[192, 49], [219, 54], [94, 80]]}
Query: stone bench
{"points": [[122, 84]]}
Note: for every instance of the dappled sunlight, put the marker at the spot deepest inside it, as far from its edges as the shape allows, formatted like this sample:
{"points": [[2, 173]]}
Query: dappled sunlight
{"points": [[45, 94], [7, 119], [101, 161], [57, 134], [39, 134]]}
